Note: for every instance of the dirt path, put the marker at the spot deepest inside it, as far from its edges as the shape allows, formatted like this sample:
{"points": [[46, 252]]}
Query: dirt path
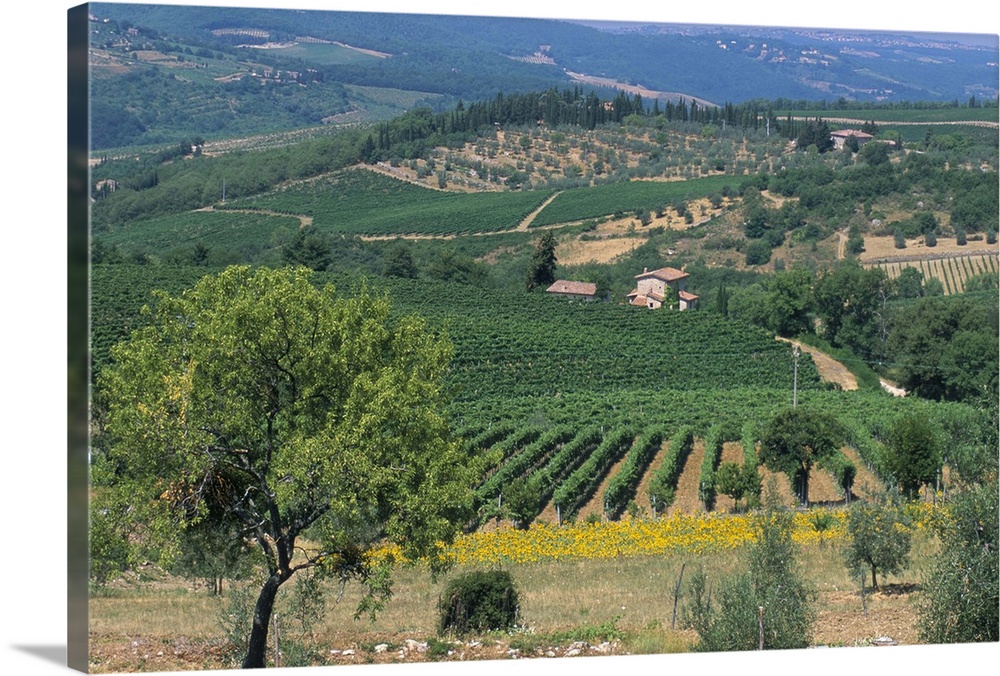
{"points": [[891, 388], [523, 225], [596, 503], [829, 368], [686, 500]]}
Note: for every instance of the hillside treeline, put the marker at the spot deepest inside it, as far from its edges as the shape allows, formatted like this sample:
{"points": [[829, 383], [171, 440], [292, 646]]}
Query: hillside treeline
{"points": [[155, 184]]}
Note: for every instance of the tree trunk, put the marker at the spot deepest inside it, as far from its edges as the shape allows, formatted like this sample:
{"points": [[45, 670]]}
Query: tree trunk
{"points": [[874, 581], [257, 648]]}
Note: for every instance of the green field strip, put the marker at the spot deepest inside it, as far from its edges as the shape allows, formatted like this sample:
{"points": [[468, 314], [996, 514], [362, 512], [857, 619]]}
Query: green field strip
{"points": [[946, 274], [944, 271], [622, 486], [367, 203], [579, 204], [224, 229], [967, 271]]}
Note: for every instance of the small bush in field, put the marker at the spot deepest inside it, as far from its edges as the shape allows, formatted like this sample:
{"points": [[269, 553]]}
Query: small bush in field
{"points": [[477, 602]]}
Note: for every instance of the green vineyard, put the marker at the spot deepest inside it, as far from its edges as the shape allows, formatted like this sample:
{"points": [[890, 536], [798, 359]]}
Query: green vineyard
{"points": [[569, 397], [603, 200], [363, 202]]}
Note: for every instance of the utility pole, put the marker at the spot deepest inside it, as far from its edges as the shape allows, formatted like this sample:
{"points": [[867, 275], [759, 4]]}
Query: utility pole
{"points": [[795, 379]]}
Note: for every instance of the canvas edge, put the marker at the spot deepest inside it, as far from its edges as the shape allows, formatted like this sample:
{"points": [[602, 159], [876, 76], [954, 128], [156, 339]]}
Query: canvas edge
{"points": [[78, 353]]}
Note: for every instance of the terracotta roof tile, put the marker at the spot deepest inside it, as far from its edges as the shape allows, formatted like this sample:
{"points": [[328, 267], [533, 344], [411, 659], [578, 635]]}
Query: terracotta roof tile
{"points": [[579, 288], [666, 274]]}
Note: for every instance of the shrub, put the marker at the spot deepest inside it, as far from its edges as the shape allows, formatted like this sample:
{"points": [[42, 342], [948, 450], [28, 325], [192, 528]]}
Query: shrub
{"points": [[758, 253], [479, 601], [771, 592]]}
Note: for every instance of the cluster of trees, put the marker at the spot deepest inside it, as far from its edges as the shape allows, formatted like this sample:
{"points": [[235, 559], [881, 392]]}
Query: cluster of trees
{"points": [[769, 606], [939, 347]]}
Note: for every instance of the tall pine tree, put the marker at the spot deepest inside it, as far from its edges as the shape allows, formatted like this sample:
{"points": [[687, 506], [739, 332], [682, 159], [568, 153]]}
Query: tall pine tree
{"points": [[542, 270]]}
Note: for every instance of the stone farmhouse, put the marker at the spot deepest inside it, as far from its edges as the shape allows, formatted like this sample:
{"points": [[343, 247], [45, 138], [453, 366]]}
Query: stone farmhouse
{"points": [[665, 286], [573, 290], [840, 137]]}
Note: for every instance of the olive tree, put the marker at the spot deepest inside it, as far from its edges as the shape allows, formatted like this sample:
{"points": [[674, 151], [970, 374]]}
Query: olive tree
{"points": [[796, 439], [960, 602], [306, 425], [768, 605], [878, 534]]}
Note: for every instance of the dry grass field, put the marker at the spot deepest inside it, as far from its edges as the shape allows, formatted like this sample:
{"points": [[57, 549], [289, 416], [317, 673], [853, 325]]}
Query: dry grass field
{"points": [[612, 606]]}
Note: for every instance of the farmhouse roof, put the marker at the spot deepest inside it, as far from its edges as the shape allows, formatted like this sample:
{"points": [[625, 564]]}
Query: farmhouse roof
{"points": [[638, 300], [684, 295], [666, 274], [579, 288], [844, 133]]}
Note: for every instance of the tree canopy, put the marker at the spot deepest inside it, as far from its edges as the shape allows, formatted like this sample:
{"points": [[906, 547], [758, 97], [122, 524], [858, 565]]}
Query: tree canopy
{"points": [[796, 439], [542, 268], [913, 453], [258, 405]]}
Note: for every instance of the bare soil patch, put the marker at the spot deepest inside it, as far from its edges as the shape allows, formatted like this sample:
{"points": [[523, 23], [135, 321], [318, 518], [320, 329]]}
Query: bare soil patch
{"points": [[841, 619], [579, 252], [829, 368], [878, 248], [686, 499], [865, 481], [781, 485]]}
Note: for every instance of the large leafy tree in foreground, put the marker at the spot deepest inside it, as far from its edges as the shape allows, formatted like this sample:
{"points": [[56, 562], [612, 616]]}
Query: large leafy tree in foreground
{"points": [[307, 425]]}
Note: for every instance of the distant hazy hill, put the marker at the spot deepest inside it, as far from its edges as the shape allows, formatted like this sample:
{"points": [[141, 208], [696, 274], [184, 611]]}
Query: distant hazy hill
{"points": [[440, 59]]}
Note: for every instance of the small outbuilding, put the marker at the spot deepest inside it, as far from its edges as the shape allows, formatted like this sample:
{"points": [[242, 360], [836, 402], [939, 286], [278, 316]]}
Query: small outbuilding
{"points": [[573, 290]]}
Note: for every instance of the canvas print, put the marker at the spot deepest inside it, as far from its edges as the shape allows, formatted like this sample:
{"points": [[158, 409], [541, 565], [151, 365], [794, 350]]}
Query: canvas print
{"points": [[424, 339]]}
